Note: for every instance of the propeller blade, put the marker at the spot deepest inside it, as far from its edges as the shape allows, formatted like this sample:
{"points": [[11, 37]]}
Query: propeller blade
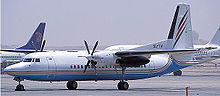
{"points": [[86, 66], [42, 47], [87, 47], [93, 50], [94, 68]]}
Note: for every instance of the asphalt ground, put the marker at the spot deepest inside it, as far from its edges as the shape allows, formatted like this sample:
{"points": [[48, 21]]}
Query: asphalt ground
{"points": [[203, 81]]}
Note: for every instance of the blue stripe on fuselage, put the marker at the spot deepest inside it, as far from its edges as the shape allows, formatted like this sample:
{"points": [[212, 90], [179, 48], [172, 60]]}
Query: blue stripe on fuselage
{"points": [[85, 77]]}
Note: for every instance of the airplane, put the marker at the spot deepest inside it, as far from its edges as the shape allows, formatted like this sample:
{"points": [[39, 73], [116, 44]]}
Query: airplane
{"points": [[120, 62], [206, 55], [12, 56]]}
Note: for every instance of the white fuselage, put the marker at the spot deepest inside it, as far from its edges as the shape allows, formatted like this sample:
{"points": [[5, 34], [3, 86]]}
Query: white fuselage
{"points": [[62, 66]]}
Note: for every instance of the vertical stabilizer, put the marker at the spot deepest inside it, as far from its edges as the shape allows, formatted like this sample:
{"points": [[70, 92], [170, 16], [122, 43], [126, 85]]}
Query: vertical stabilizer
{"points": [[181, 28], [216, 38], [181, 32], [36, 39]]}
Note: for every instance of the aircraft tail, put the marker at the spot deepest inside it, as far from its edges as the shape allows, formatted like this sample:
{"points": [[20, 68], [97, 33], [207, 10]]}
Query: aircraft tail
{"points": [[180, 34], [181, 28], [216, 39], [36, 39]]}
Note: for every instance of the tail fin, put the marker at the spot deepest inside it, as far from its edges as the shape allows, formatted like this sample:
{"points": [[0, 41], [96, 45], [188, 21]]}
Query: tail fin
{"points": [[216, 39], [180, 35], [181, 28], [35, 41]]}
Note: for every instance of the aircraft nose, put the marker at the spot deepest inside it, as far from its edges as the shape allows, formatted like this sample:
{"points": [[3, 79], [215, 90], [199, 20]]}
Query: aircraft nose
{"points": [[14, 68], [10, 68], [7, 69]]}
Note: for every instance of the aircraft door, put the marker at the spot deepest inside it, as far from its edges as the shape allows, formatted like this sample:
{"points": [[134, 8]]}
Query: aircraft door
{"points": [[51, 67]]}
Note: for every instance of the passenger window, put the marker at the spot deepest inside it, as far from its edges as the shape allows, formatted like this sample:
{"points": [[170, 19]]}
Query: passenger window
{"points": [[81, 66], [77, 66], [74, 66], [37, 60]]}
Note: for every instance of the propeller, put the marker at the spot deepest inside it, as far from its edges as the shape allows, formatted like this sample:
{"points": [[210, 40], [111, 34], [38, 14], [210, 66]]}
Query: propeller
{"points": [[91, 57], [42, 47]]}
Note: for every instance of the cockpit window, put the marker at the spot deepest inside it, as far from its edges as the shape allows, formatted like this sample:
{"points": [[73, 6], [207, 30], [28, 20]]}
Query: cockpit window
{"points": [[27, 60], [37, 60]]}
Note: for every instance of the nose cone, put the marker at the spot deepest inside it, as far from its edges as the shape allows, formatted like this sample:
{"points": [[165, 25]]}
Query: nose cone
{"points": [[7, 69], [14, 68]]}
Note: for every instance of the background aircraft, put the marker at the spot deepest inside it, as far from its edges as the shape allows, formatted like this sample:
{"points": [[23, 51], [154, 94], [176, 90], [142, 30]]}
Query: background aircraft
{"points": [[12, 56], [114, 63], [206, 55]]}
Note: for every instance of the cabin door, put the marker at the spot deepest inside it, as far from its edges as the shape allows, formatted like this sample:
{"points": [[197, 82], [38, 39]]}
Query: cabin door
{"points": [[51, 67]]}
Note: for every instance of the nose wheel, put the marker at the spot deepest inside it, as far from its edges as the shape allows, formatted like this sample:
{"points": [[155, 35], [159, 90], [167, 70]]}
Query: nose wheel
{"points": [[122, 85], [19, 87]]}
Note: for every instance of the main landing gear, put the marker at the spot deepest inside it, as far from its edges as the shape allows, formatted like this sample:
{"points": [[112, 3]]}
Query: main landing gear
{"points": [[71, 85], [122, 85], [19, 87], [177, 73]]}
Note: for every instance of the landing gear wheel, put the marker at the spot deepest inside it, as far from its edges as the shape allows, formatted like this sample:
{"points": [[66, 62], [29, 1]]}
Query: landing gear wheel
{"points": [[177, 73], [123, 86], [71, 85], [19, 88]]}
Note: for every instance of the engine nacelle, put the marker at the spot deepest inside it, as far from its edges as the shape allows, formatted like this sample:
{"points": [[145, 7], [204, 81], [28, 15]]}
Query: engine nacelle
{"points": [[134, 61]]}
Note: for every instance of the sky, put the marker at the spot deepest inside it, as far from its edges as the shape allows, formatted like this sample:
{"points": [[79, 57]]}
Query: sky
{"points": [[111, 22]]}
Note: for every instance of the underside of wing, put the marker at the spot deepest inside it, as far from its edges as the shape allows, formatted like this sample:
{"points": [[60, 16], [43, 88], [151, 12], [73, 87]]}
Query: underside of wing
{"points": [[141, 53]]}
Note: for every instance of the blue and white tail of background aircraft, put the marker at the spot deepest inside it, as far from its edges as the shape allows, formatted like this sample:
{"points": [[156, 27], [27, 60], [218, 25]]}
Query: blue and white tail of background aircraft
{"points": [[209, 55], [34, 43], [12, 56], [114, 63]]}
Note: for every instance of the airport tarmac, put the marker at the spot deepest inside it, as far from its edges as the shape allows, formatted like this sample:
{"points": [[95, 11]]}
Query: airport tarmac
{"points": [[203, 81]]}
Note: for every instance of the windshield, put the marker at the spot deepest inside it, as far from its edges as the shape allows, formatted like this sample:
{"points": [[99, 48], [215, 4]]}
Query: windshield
{"points": [[31, 60], [27, 60]]}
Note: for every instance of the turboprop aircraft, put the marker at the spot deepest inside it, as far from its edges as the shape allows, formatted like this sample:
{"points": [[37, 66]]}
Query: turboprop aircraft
{"points": [[12, 56], [121, 62], [206, 55]]}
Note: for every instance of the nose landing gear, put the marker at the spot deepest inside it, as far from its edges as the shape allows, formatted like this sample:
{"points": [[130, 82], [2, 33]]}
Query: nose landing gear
{"points": [[19, 87]]}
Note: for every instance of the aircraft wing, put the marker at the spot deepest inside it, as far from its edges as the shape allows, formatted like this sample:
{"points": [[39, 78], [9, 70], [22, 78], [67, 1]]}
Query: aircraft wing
{"points": [[141, 53], [19, 51]]}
